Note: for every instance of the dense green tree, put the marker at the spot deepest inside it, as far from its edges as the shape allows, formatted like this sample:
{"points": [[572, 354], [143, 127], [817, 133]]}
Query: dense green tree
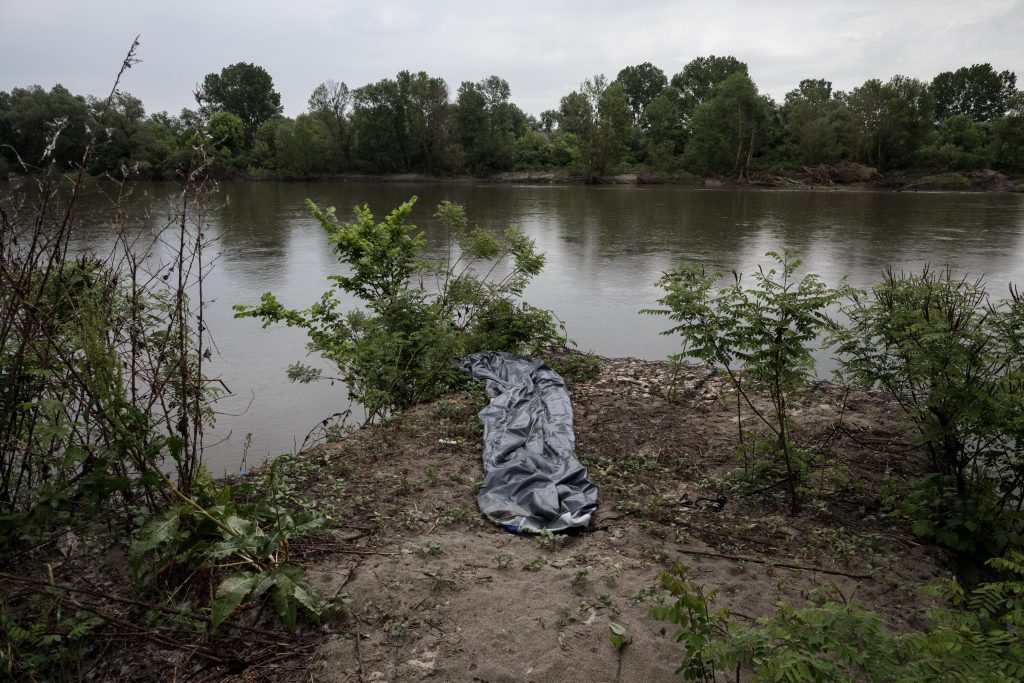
{"points": [[119, 137], [488, 124], [226, 131], [264, 150], [700, 76], [598, 115], [814, 120], [664, 135], [890, 121], [960, 144], [158, 148], [977, 91], [427, 120], [329, 103], [401, 125], [548, 120], [302, 147], [611, 132], [728, 129], [1007, 146], [378, 128], [245, 90], [576, 115], [41, 127], [641, 84]]}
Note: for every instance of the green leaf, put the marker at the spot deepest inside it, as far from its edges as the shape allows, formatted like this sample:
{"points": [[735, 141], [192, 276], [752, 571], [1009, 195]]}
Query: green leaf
{"points": [[230, 594], [620, 635], [155, 532]]}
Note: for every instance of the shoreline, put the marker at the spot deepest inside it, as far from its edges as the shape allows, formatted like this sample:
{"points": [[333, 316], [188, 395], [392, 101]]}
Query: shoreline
{"points": [[433, 586], [982, 181]]}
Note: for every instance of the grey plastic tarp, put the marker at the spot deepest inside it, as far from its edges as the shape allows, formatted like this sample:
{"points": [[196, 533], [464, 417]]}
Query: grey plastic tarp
{"points": [[532, 479]]}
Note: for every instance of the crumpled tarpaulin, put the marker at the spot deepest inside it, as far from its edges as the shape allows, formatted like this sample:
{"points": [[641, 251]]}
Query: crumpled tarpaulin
{"points": [[532, 479]]}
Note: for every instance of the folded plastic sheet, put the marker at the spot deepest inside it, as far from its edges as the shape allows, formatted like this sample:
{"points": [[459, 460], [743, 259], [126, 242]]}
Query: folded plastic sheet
{"points": [[532, 479]]}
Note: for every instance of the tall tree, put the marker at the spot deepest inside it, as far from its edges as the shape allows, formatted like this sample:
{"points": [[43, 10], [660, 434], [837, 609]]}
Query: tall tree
{"points": [[700, 76], [599, 115], [976, 91], [488, 124], [329, 104], [41, 127], [890, 121], [813, 121], [1007, 146], [427, 120], [641, 84], [664, 135], [245, 90], [728, 128], [119, 136]]}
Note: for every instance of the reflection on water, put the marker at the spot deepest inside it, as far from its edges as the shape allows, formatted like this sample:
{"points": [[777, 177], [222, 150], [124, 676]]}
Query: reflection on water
{"points": [[606, 247]]}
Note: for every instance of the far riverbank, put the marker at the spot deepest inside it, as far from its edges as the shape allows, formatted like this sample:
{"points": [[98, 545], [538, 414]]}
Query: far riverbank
{"points": [[846, 176]]}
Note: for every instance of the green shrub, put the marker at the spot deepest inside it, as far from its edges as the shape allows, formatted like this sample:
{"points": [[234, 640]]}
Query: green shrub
{"points": [[974, 636], [762, 336], [953, 360], [397, 350]]}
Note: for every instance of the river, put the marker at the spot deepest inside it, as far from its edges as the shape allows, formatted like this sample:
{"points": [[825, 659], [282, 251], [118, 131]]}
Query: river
{"points": [[606, 247]]}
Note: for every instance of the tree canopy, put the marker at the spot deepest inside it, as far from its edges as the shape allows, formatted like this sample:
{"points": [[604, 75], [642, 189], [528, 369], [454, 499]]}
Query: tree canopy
{"points": [[708, 119], [245, 90]]}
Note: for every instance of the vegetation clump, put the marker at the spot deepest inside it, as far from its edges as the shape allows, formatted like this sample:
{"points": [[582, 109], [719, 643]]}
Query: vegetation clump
{"points": [[953, 359], [396, 350], [975, 636], [762, 337]]}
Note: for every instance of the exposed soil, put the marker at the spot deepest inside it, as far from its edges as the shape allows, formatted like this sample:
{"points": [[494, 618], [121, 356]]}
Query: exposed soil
{"points": [[439, 593], [455, 598]]}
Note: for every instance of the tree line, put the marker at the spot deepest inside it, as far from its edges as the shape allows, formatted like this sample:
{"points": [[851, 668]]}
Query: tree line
{"points": [[708, 120]]}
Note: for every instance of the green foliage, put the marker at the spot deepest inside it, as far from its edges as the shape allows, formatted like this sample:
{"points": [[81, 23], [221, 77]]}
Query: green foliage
{"points": [[699, 625], [641, 84], [575, 367], [700, 77], [727, 129], [761, 336], [245, 90], [888, 121], [952, 359], [397, 350], [288, 591], [975, 637], [814, 120], [215, 532], [52, 646], [620, 636], [412, 123], [977, 92]]}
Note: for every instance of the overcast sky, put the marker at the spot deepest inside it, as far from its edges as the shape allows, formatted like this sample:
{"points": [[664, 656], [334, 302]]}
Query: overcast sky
{"points": [[543, 49]]}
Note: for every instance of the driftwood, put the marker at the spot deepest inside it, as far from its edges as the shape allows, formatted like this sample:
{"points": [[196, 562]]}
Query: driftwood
{"points": [[841, 173], [820, 174]]}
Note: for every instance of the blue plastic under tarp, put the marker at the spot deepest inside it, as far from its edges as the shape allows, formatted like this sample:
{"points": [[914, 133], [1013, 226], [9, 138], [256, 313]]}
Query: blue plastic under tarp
{"points": [[532, 479]]}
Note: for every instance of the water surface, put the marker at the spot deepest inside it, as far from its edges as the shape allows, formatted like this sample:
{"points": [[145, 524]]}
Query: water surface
{"points": [[606, 247]]}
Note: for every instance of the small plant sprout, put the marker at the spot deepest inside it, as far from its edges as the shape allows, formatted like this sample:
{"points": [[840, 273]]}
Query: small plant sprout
{"points": [[606, 601], [620, 636], [580, 575], [535, 565], [550, 540], [438, 580], [431, 547], [432, 474], [504, 560]]}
